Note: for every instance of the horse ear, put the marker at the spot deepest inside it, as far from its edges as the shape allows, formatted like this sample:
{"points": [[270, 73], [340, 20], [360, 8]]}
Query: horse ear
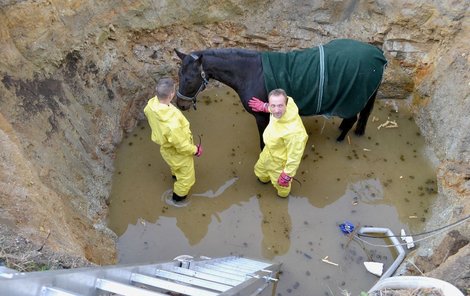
{"points": [[180, 54]]}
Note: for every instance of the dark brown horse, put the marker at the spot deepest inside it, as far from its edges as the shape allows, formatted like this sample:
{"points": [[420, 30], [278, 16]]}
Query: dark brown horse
{"points": [[339, 78]]}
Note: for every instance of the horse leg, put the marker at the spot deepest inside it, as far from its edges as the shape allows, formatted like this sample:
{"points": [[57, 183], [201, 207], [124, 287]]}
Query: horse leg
{"points": [[345, 126], [262, 120], [364, 115]]}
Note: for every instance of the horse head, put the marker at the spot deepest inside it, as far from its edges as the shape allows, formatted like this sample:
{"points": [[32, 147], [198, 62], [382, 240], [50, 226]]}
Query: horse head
{"points": [[192, 80]]}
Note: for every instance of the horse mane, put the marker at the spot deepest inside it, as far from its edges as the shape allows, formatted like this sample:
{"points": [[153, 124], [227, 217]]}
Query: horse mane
{"points": [[222, 52]]}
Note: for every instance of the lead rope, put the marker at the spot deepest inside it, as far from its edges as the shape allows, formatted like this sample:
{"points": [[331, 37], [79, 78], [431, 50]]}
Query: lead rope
{"points": [[295, 179]]}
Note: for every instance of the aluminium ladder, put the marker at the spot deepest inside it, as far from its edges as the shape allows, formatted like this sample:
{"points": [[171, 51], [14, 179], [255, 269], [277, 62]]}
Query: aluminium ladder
{"points": [[184, 276]]}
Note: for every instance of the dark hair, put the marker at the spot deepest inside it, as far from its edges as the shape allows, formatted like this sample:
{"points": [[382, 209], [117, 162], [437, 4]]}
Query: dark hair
{"points": [[278, 92], [165, 87]]}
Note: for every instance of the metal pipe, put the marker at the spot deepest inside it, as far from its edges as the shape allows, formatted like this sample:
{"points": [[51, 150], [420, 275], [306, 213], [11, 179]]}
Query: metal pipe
{"points": [[396, 244]]}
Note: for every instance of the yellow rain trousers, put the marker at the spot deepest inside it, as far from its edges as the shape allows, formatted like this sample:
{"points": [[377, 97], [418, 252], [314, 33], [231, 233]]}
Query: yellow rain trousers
{"points": [[170, 130], [284, 140]]}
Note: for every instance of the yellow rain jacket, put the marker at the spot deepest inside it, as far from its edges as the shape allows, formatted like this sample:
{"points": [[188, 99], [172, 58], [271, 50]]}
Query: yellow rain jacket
{"points": [[284, 140], [170, 130]]}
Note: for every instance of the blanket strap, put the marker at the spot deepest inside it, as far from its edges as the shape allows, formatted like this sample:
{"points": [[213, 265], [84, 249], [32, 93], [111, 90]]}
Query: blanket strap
{"points": [[322, 78]]}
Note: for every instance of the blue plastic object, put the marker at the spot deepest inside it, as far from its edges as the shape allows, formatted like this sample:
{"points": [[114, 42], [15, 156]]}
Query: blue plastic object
{"points": [[346, 227]]}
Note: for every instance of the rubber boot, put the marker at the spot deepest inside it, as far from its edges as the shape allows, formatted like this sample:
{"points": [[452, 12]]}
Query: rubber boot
{"points": [[178, 198]]}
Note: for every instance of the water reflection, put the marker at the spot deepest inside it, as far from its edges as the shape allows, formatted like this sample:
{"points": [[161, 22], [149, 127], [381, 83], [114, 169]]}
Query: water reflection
{"points": [[276, 226], [211, 194], [236, 231]]}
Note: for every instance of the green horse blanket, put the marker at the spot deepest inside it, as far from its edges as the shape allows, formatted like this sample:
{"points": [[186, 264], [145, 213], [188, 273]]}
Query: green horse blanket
{"points": [[335, 79]]}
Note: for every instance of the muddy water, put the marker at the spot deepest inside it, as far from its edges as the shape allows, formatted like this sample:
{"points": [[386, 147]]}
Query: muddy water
{"points": [[382, 179]]}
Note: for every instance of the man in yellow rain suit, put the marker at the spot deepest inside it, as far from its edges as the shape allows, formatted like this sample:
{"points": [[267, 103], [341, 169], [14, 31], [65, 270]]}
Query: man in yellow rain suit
{"points": [[170, 130], [284, 138]]}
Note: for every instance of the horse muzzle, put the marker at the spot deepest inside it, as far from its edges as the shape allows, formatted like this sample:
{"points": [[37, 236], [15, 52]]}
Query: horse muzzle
{"points": [[183, 105]]}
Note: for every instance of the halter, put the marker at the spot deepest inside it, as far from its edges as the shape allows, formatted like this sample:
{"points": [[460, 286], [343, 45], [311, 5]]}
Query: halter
{"points": [[201, 88]]}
